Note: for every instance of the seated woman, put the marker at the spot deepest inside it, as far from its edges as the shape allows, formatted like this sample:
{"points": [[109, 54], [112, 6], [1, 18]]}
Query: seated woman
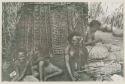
{"points": [[44, 69], [76, 55]]}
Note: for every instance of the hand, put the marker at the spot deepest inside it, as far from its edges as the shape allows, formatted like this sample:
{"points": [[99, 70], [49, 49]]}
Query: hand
{"points": [[83, 67], [76, 75], [27, 62], [73, 78], [45, 79]]}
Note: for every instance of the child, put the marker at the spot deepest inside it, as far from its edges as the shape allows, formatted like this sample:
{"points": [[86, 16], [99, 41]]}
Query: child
{"points": [[21, 66], [44, 69]]}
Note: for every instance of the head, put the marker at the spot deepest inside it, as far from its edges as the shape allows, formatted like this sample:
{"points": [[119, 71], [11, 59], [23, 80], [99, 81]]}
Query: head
{"points": [[46, 61], [74, 38], [21, 55], [37, 51], [94, 25]]}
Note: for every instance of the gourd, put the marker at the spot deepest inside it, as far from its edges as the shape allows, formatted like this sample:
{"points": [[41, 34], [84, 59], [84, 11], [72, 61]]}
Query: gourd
{"points": [[103, 28], [117, 32], [98, 52], [111, 57], [108, 28]]}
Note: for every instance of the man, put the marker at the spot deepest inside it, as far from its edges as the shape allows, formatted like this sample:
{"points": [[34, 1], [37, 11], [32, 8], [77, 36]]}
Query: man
{"points": [[44, 69], [90, 34], [76, 55]]}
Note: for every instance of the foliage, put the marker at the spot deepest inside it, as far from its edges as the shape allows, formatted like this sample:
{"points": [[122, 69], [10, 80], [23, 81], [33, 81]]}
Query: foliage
{"points": [[107, 15], [10, 18]]}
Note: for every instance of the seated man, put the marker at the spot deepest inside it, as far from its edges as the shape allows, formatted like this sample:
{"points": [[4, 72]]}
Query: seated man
{"points": [[44, 69], [90, 34]]}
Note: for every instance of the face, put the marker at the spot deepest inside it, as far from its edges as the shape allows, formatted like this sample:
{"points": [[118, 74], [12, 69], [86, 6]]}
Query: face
{"points": [[46, 62], [21, 56], [95, 28], [76, 40]]}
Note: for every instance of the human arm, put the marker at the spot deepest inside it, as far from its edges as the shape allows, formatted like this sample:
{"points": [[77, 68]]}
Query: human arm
{"points": [[69, 68], [91, 40], [41, 70], [67, 64], [23, 72], [84, 55], [17, 73]]}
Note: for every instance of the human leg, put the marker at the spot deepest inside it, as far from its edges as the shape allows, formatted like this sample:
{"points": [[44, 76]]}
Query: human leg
{"points": [[52, 70], [41, 70]]}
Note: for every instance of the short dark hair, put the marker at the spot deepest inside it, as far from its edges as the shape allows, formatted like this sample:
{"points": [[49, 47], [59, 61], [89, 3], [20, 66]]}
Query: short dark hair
{"points": [[72, 35], [46, 57], [21, 50], [94, 22]]}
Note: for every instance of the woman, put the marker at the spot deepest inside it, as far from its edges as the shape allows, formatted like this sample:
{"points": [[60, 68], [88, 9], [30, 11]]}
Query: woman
{"points": [[75, 55]]}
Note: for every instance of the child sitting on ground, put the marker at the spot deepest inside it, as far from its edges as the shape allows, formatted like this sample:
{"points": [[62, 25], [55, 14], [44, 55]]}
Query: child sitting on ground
{"points": [[21, 67], [43, 69]]}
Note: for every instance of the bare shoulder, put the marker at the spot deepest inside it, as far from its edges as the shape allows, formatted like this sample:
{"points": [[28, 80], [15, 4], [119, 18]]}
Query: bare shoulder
{"points": [[16, 62], [67, 52], [67, 49]]}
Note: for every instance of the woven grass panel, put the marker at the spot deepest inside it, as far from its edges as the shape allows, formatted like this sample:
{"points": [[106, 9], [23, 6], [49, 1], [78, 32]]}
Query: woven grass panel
{"points": [[44, 25], [59, 29], [65, 19], [9, 20]]}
